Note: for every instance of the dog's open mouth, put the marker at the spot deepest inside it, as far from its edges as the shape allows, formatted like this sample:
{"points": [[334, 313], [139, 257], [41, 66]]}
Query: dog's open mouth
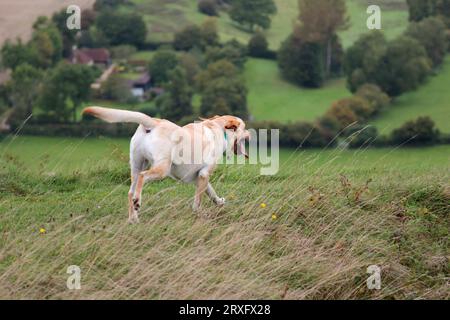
{"points": [[239, 147]]}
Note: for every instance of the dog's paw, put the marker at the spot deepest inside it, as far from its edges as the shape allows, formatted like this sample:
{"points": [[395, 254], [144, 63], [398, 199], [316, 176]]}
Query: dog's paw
{"points": [[195, 207], [220, 201], [134, 219]]}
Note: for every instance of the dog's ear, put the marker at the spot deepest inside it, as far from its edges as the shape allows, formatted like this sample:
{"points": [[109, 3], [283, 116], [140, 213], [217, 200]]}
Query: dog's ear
{"points": [[232, 124]]}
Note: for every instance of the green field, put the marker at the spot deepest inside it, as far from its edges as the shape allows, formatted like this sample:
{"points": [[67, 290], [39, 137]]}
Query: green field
{"points": [[432, 99], [272, 98], [328, 216]]}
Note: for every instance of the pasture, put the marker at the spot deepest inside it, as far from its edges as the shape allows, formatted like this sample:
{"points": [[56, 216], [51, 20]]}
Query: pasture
{"points": [[329, 215]]}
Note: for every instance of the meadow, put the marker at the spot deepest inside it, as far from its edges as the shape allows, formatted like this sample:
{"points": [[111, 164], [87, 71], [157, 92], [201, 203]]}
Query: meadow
{"points": [[328, 215]]}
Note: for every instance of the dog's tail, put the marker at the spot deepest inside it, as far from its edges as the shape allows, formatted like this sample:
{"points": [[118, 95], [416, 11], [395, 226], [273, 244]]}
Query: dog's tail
{"points": [[116, 115]]}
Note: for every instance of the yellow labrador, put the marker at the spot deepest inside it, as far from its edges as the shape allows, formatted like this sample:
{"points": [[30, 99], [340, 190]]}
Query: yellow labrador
{"points": [[188, 153]]}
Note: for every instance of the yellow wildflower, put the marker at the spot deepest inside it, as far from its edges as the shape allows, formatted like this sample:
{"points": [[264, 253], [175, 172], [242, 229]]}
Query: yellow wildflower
{"points": [[262, 205], [42, 231]]}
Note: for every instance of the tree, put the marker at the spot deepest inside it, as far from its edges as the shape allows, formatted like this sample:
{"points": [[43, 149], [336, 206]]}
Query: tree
{"points": [[116, 89], [24, 89], [301, 62], [208, 33], [208, 7], [223, 90], [47, 41], [422, 9], [404, 68], [253, 12], [432, 34], [161, 64], [66, 87], [176, 102], [15, 54], [319, 21], [232, 51], [396, 66], [187, 38], [122, 28], [107, 4], [258, 45]]}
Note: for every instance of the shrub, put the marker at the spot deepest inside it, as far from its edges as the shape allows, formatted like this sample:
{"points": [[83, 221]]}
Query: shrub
{"points": [[258, 46], [359, 136], [208, 7], [377, 99], [416, 132], [295, 134], [349, 110]]}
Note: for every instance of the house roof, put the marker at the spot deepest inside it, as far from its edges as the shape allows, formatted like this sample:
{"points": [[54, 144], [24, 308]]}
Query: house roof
{"points": [[143, 79], [79, 56], [88, 55], [5, 76]]}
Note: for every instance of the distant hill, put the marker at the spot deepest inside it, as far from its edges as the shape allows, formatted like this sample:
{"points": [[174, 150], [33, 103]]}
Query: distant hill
{"points": [[163, 18]]}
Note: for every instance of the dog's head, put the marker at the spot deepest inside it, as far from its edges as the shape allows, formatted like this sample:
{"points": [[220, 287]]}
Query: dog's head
{"points": [[236, 132]]}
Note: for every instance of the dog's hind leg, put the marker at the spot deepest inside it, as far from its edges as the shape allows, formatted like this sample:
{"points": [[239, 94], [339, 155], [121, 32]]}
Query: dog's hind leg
{"points": [[136, 167], [157, 172], [213, 195]]}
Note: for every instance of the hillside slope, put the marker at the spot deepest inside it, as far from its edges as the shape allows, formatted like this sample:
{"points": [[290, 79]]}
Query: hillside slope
{"points": [[272, 98]]}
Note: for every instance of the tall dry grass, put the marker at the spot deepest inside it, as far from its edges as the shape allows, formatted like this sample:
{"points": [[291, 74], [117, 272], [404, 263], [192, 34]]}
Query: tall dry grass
{"points": [[332, 222]]}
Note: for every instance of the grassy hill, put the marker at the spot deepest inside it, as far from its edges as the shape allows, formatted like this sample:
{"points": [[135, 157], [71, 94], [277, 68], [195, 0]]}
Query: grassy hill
{"points": [[163, 18], [432, 99], [330, 224]]}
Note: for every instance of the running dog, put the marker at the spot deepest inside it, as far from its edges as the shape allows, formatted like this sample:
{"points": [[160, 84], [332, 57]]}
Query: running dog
{"points": [[188, 154]]}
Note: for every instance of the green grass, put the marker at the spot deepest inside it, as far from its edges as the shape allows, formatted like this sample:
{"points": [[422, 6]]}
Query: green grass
{"points": [[272, 98], [432, 99], [68, 155], [337, 212], [143, 55]]}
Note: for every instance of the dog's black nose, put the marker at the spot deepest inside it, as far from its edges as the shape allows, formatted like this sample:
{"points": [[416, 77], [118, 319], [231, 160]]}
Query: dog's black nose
{"points": [[147, 130]]}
